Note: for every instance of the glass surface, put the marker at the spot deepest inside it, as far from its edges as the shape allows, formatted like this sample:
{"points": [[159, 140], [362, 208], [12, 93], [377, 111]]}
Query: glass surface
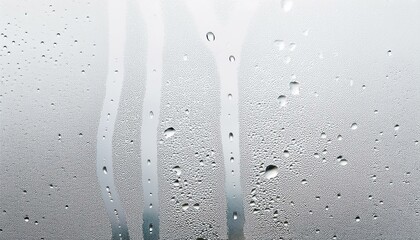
{"points": [[196, 119]]}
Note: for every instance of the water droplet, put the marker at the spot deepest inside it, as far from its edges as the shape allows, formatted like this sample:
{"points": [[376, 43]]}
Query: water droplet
{"points": [[357, 219], [196, 206], [286, 153], [230, 96], [235, 215], [353, 126], [232, 58], [105, 170], [210, 37], [323, 135], [177, 170], [292, 47], [286, 5], [396, 127], [294, 88], [304, 181], [271, 171], [339, 137], [185, 57], [151, 115], [231, 137], [389, 53], [279, 44], [185, 206], [282, 100], [169, 132], [343, 162], [26, 219]]}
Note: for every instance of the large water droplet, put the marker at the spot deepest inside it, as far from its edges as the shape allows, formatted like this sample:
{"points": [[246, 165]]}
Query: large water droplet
{"points": [[271, 171], [169, 132]]}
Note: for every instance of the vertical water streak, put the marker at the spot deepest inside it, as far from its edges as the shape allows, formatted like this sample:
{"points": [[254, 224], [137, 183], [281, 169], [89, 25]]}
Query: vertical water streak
{"points": [[225, 42], [114, 82], [152, 14]]}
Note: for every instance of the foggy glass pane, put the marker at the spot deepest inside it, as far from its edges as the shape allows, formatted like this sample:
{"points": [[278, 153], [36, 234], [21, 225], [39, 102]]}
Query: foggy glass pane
{"points": [[195, 119]]}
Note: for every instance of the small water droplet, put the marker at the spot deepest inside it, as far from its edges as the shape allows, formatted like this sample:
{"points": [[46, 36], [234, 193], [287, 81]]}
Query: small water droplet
{"points": [[232, 58], [231, 137], [304, 181], [286, 5], [105, 170], [353, 126], [169, 132], [292, 47], [294, 88], [282, 100], [389, 53], [185, 206], [230, 96], [271, 171], [279, 44], [235, 215], [396, 127], [177, 170], [151, 115], [357, 219], [210, 37], [343, 162]]}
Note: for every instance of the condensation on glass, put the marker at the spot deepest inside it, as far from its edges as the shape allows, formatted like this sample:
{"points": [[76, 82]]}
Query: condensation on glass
{"points": [[221, 119]]}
